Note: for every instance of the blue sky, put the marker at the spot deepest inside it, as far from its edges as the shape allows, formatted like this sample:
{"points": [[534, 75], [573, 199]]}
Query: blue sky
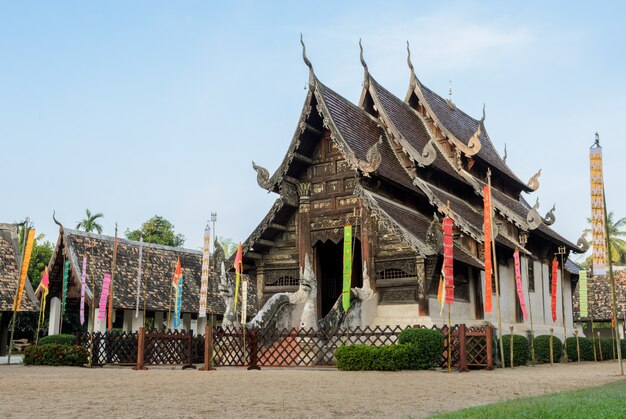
{"points": [[142, 108]]}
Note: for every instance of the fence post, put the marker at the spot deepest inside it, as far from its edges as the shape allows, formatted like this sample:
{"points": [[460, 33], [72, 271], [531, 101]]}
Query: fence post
{"points": [[140, 350], [462, 349], [253, 350], [208, 349], [489, 344], [188, 336]]}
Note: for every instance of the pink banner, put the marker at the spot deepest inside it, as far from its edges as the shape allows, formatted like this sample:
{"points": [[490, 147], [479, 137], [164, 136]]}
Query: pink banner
{"points": [[104, 296], [83, 280], [518, 282], [448, 257]]}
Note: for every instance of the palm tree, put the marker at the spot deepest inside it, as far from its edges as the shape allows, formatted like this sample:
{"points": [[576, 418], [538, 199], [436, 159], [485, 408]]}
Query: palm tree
{"points": [[616, 244], [89, 223]]}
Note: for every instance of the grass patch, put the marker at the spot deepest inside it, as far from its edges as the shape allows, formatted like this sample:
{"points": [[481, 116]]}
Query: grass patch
{"points": [[607, 401]]}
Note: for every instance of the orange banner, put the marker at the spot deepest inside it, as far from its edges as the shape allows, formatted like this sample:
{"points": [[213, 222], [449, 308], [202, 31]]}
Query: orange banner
{"points": [[24, 271], [487, 243]]}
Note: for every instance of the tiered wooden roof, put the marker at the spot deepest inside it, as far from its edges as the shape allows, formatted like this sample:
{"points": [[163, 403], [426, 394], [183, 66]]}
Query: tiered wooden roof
{"points": [[430, 157], [10, 261], [158, 264]]}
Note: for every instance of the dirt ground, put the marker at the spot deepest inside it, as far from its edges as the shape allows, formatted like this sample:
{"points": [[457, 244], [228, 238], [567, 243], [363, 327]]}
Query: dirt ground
{"points": [[275, 393]]}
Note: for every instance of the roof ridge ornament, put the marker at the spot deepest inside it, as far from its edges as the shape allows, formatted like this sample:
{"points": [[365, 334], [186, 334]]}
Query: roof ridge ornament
{"points": [[483, 118], [304, 57], [533, 183], [533, 218], [262, 176], [408, 57], [366, 76], [549, 219], [505, 153], [373, 158], [449, 101], [582, 243]]}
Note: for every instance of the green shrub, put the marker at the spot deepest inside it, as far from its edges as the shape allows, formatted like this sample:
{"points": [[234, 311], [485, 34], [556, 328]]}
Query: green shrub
{"points": [[607, 349], [427, 347], [355, 357], [542, 348], [385, 358], [521, 350], [586, 349], [55, 354], [67, 340]]}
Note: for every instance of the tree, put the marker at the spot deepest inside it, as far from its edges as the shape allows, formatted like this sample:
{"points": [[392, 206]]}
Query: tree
{"points": [[616, 244], [40, 258], [157, 230], [89, 223], [228, 246]]}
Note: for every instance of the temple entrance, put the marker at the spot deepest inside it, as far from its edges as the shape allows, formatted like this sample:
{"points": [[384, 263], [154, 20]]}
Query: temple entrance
{"points": [[329, 270]]}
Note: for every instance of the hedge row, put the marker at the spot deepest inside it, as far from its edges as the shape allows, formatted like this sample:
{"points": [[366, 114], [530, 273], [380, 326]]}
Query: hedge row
{"points": [[521, 350], [67, 340], [417, 349], [55, 354], [542, 348]]}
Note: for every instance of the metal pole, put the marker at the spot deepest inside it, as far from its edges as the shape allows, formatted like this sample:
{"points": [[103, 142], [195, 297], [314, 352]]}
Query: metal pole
{"points": [[495, 273], [612, 279]]}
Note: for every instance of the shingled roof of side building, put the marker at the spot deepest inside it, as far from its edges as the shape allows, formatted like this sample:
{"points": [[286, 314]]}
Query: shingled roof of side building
{"points": [[158, 265], [10, 260]]}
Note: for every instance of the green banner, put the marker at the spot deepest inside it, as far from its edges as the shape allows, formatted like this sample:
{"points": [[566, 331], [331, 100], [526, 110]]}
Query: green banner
{"points": [[347, 266], [66, 271], [582, 291]]}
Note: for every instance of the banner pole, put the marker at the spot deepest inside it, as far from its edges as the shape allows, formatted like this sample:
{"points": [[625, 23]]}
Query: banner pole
{"points": [[17, 290], [562, 251], [449, 339], [495, 274]]}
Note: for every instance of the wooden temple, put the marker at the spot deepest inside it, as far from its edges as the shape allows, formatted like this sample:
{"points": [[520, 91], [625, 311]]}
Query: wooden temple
{"points": [[393, 169]]}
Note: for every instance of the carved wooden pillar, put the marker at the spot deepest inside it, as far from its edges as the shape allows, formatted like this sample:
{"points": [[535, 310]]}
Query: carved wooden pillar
{"points": [[303, 229], [422, 290], [260, 282], [365, 245]]}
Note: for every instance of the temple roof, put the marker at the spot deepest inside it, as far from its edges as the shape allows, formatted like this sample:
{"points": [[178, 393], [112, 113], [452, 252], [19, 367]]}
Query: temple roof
{"points": [[10, 260], [463, 127], [158, 265]]}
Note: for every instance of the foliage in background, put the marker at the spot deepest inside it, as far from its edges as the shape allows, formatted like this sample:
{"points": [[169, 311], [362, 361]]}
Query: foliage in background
{"points": [[617, 229], [229, 246], [521, 350], [55, 354], [90, 222], [542, 348], [157, 230]]}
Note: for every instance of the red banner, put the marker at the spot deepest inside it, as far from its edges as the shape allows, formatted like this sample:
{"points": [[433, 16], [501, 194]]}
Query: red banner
{"points": [[555, 273], [518, 283], [448, 259], [487, 244]]}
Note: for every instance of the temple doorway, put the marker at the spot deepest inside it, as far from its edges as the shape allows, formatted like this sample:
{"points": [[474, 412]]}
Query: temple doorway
{"points": [[329, 264]]}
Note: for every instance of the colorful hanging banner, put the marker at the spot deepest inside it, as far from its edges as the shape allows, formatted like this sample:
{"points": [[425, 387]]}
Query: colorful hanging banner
{"points": [[347, 266], [66, 274], [238, 265], [139, 266], [487, 247], [113, 266], [441, 292], [448, 257], [204, 277], [83, 284], [178, 280], [582, 292], [30, 240], [599, 253], [555, 273], [518, 283], [244, 301], [104, 297], [43, 286]]}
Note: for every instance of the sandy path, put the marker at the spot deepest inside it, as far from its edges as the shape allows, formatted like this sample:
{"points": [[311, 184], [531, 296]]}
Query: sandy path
{"points": [[275, 393]]}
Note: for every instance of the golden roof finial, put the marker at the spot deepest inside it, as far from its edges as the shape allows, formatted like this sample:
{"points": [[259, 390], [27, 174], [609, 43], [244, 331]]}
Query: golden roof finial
{"points": [[304, 57]]}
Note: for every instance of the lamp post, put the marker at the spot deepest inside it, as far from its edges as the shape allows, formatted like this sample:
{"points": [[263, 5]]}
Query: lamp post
{"points": [[523, 239], [562, 251]]}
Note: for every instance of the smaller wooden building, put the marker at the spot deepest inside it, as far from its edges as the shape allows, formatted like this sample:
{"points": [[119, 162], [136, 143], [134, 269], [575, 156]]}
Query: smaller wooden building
{"points": [[10, 261], [158, 265], [600, 302]]}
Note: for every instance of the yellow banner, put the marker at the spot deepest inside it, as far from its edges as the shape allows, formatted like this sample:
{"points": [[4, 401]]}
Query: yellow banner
{"points": [[24, 271], [597, 212]]}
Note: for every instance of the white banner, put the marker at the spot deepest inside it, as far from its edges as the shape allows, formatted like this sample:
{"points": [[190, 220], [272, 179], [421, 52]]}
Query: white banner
{"points": [[597, 212], [204, 278], [244, 301]]}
